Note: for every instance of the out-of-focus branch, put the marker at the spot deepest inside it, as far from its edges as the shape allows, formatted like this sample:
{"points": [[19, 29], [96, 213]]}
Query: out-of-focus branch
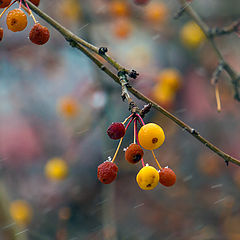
{"points": [[233, 27], [73, 40], [235, 78]]}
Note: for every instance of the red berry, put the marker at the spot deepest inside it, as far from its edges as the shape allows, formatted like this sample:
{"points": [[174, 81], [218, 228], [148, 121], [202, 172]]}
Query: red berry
{"points": [[107, 172], [134, 153], [141, 2], [167, 177], [35, 2], [1, 34], [4, 3], [116, 130], [39, 34]]}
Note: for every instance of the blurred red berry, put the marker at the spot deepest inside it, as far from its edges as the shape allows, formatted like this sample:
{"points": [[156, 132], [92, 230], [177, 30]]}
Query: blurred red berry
{"points": [[116, 130], [39, 34], [141, 2], [107, 172], [134, 153], [4, 3], [1, 34], [167, 177], [35, 2]]}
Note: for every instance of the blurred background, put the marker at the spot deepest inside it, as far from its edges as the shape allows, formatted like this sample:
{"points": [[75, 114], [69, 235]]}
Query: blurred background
{"points": [[55, 108]]}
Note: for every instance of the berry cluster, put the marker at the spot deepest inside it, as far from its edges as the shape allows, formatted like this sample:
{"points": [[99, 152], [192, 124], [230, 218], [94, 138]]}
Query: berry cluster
{"points": [[17, 21], [150, 136]]}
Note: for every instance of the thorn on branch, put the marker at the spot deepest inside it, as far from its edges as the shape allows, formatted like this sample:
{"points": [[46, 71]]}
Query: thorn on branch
{"points": [[179, 13], [227, 162], [133, 74], [71, 42], [217, 73], [102, 50]]}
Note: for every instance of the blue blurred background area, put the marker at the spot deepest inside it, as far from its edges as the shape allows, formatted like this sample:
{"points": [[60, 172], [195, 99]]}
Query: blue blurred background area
{"points": [[56, 106]]}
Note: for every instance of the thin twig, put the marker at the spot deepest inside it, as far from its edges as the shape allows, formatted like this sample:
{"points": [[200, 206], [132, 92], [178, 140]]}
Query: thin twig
{"points": [[71, 38], [235, 78]]}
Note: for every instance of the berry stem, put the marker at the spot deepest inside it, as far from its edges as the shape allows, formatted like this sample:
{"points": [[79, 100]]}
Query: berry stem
{"points": [[127, 119], [7, 8], [31, 14], [128, 124], [218, 98], [143, 164], [20, 4], [156, 160], [119, 144], [139, 117], [135, 130]]}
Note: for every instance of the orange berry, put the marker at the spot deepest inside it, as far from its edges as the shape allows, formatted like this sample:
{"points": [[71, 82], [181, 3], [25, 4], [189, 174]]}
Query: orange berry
{"points": [[1, 34], [16, 20], [134, 153], [68, 107], [156, 12], [39, 34], [122, 28], [4, 3], [151, 136], [119, 8], [35, 2], [167, 177]]}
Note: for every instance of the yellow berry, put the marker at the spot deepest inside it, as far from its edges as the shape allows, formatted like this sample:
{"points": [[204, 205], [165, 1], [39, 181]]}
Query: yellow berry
{"points": [[151, 136], [56, 169], [147, 178], [21, 212], [192, 35]]}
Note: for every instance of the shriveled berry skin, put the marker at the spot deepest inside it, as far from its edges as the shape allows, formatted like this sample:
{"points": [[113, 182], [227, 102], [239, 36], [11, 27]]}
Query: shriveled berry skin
{"points": [[134, 153], [116, 130], [167, 177], [35, 2], [1, 34], [107, 172], [4, 3], [39, 34], [16, 20]]}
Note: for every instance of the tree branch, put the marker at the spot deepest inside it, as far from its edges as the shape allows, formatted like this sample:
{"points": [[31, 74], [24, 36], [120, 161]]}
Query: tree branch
{"points": [[74, 42]]}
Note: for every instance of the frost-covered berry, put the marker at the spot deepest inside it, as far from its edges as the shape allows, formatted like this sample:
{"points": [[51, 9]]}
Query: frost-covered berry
{"points": [[167, 177], [134, 153], [1, 34], [39, 34], [107, 172], [116, 130], [147, 178]]}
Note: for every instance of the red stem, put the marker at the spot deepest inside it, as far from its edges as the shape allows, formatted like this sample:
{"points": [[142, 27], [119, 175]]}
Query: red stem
{"points": [[139, 117], [128, 124], [135, 129]]}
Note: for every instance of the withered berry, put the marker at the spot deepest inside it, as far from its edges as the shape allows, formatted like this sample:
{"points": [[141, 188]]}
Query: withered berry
{"points": [[35, 2], [1, 34], [167, 177], [116, 130], [4, 3], [107, 172], [39, 34], [134, 153]]}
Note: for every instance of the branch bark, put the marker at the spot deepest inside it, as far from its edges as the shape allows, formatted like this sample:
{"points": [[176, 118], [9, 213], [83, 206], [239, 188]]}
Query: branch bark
{"points": [[77, 42]]}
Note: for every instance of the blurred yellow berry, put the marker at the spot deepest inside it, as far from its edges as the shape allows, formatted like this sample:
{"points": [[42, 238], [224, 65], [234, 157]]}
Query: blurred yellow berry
{"points": [[21, 212], [68, 107], [147, 178], [163, 94], [170, 77], [156, 12], [151, 136], [56, 169], [70, 10], [192, 35], [119, 8]]}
